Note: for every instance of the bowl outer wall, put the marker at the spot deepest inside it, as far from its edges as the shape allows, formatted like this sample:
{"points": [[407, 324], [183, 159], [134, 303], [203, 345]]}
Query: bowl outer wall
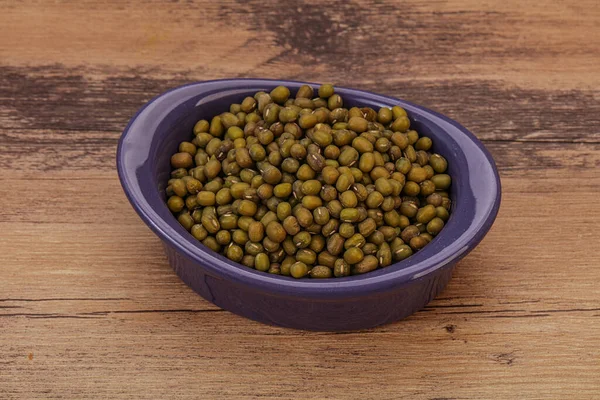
{"points": [[167, 119], [339, 314]]}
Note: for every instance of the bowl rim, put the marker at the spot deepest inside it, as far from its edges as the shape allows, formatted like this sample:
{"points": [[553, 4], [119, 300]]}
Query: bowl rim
{"points": [[368, 284]]}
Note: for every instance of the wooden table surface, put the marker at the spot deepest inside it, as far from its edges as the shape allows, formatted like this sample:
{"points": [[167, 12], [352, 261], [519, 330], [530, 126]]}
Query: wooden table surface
{"points": [[89, 307]]}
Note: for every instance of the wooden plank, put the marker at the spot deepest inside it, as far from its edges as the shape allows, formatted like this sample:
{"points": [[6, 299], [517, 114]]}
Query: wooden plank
{"points": [[59, 98], [79, 197], [27, 152], [236, 360], [112, 256], [547, 44]]}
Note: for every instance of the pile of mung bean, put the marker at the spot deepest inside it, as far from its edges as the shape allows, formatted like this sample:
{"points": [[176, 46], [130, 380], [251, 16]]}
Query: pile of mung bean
{"points": [[304, 187]]}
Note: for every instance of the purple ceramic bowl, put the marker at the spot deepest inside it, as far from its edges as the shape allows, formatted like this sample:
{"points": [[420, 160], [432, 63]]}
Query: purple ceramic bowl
{"points": [[357, 302]]}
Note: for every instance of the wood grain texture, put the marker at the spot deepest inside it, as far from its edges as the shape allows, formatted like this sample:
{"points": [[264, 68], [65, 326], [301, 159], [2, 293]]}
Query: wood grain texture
{"points": [[546, 44], [88, 305], [494, 110]]}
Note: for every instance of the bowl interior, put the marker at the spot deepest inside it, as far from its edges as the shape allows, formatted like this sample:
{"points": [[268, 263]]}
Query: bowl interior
{"points": [[155, 132]]}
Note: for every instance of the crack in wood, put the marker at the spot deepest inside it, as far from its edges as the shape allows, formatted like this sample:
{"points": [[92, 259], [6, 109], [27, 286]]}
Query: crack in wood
{"points": [[480, 312], [42, 316], [450, 328], [570, 310], [454, 306], [68, 299], [150, 311], [505, 358], [95, 314], [517, 316]]}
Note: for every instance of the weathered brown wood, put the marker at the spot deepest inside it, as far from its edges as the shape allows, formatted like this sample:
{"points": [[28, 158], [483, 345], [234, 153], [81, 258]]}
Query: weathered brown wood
{"points": [[88, 305], [59, 98], [548, 44], [26, 151]]}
